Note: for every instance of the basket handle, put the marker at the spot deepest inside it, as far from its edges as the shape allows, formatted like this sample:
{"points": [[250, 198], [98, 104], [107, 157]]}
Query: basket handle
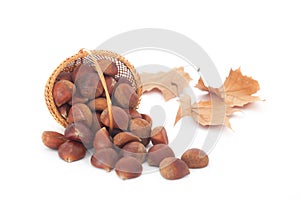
{"points": [[101, 76]]}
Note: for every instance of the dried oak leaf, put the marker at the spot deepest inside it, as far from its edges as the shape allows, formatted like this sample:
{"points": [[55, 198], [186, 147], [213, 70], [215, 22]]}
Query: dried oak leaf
{"points": [[213, 112], [237, 89], [170, 83]]}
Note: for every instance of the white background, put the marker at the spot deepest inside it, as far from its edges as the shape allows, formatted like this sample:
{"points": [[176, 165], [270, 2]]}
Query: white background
{"points": [[258, 160]]}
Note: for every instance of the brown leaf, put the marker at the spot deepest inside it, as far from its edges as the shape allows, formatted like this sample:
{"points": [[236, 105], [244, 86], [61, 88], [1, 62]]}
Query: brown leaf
{"points": [[170, 83], [237, 89], [200, 85], [213, 112]]}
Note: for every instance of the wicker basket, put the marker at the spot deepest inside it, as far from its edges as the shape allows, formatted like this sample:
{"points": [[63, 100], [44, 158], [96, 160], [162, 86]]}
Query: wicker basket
{"points": [[125, 70]]}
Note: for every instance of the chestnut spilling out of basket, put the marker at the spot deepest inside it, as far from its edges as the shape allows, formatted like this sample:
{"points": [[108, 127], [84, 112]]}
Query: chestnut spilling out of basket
{"points": [[95, 95]]}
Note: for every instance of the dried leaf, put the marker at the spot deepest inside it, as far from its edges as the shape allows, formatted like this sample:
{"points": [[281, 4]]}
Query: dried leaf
{"points": [[213, 112], [200, 85], [237, 89], [170, 83]]}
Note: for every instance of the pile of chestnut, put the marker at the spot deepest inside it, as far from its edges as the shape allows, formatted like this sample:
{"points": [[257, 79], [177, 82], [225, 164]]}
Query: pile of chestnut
{"points": [[81, 100]]}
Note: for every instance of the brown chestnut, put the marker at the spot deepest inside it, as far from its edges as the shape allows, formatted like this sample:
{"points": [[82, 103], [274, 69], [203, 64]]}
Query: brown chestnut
{"points": [[159, 152], [120, 118], [195, 158], [80, 113], [71, 151], [136, 150], [128, 167], [123, 138], [159, 135], [140, 127], [173, 168], [105, 159], [90, 86], [53, 139], [63, 91], [102, 139], [98, 104], [78, 131], [108, 67], [125, 96]]}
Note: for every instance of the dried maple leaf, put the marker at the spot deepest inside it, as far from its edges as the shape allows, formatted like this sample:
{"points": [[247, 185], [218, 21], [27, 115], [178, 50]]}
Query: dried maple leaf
{"points": [[213, 112], [237, 89], [170, 83]]}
